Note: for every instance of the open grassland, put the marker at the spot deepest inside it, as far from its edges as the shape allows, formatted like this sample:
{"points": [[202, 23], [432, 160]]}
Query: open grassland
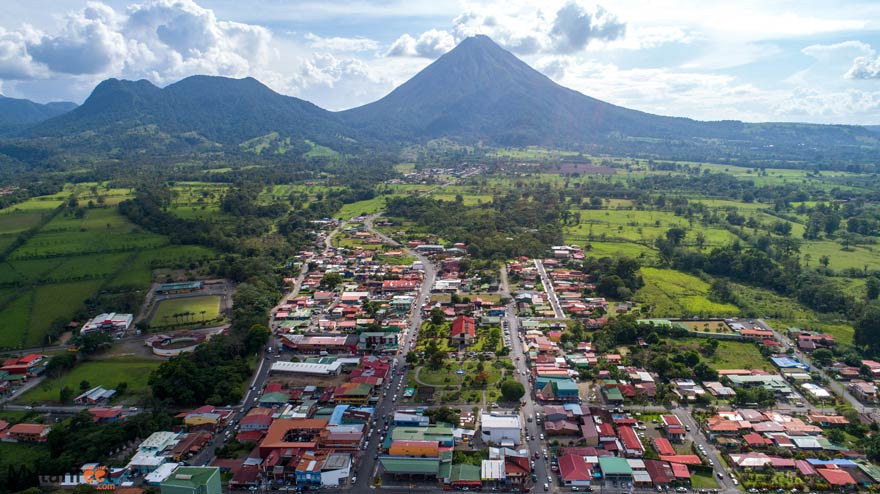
{"points": [[856, 257], [738, 355], [639, 227], [198, 200], [105, 372], [15, 320], [672, 293], [56, 302], [614, 249], [73, 257], [186, 310], [359, 208]]}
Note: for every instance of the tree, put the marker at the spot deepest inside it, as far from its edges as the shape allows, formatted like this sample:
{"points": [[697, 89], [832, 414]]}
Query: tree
{"points": [[60, 363], [92, 342], [65, 394], [445, 414], [867, 329], [512, 390], [331, 280], [822, 356], [872, 287]]}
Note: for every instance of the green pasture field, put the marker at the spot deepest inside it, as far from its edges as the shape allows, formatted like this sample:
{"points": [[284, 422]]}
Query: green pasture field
{"points": [[164, 316], [109, 373], [369, 206], [319, 151], [613, 249], [638, 226], [676, 294], [857, 257], [198, 200], [55, 302], [15, 320], [405, 168], [738, 355], [139, 271]]}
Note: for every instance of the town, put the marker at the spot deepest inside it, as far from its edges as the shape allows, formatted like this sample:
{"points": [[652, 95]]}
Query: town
{"points": [[399, 366]]}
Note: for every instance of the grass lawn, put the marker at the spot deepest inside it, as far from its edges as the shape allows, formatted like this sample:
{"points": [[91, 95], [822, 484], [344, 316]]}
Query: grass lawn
{"points": [[676, 294], [56, 302], [738, 355], [703, 481], [108, 373], [369, 206], [205, 308]]}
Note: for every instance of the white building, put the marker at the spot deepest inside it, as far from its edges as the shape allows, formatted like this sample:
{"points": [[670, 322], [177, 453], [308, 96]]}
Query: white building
{"points": [[500, 428], [109, 322]]}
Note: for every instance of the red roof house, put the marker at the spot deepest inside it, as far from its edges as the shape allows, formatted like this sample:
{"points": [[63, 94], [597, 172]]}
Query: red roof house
{"points": [[463, 331]]}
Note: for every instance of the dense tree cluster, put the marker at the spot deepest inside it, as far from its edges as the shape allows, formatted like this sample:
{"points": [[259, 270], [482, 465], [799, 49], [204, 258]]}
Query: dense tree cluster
{"points": [[521, 223]]}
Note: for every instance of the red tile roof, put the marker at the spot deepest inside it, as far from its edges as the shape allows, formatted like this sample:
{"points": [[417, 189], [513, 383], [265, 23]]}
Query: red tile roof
{"points": [[663, 447], [463, 325], [574, 468], [836, 476]]}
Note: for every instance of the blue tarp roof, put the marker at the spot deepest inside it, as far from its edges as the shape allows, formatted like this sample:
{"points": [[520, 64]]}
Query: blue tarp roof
{"points": [[839, 462], [789, 363]]}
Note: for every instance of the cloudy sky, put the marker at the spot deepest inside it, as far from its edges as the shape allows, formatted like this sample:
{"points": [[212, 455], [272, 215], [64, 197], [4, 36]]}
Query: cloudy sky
{"points": [[781, 60]]}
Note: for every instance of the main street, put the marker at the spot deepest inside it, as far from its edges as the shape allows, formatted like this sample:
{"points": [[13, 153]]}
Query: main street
{"points": [[528, 410], [368, 466], [548, 288]]}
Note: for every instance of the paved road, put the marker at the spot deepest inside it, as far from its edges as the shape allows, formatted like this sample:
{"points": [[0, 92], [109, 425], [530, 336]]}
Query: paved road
{"points": [[835, 385], [548, 288], [725, 484], [368, 466], [533, 430]]}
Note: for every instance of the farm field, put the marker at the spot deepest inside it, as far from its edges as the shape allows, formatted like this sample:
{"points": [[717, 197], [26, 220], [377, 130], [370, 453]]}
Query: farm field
{"points": [[359, 208], [675, 294], [637, 226], [106, 372], [73, 257], [186, 309], [738, 355]]}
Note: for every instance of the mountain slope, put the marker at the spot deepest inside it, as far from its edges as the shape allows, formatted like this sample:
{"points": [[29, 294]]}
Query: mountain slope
{"points": [[481, 92], [218, 109], [18, 113]]}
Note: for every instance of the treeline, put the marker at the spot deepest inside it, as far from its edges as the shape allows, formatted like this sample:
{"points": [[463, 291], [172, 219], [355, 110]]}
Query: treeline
{"points": [[520, 223], [80, 440]]}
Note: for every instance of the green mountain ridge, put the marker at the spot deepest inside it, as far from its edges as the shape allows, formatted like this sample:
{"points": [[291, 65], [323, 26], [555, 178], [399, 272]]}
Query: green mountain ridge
{"points": [[478, 93], [16, 114]]}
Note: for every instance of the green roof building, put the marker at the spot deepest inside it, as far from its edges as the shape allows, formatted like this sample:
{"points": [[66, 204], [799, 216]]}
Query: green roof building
{"points": [[615, 469], [409, 466], [193, 480]]}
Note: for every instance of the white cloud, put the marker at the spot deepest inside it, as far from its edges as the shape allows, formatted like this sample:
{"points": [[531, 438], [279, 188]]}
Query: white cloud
{"points": [[575, 27], [338, 43], [430, 44], [89, 43], [569, 29], [837, 49], [553, 67], [15, 61], [339, 82], [809, 104], [867, 67], [162, 40]]}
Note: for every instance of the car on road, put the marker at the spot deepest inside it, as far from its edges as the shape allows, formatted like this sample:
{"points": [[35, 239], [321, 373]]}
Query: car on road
{"points": [[546, 487], [354, 479], [720, 475], [541, 437]]}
